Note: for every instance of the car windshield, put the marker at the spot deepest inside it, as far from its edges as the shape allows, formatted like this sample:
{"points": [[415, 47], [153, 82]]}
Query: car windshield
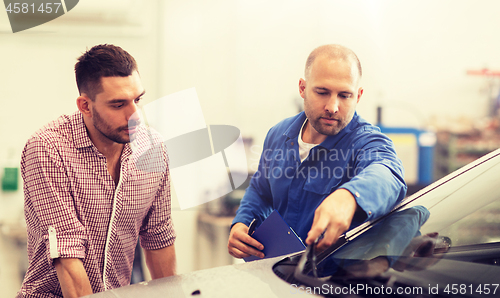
{"points": [[456, 218]]}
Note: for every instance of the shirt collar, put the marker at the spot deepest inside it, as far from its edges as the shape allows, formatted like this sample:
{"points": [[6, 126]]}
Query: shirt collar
{"points": [[330, 141], [293, 130], [81, 136]]}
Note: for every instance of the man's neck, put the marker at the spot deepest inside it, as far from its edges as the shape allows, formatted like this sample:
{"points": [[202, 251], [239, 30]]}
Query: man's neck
{"points": [[111, 150], [310, 135]]}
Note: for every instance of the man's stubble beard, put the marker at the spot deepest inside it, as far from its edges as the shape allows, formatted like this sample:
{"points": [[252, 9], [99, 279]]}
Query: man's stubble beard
{"points": [[106, 130]]}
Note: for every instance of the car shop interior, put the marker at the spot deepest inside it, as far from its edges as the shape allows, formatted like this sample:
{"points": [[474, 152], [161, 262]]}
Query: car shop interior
{"points": [[431, 84]]}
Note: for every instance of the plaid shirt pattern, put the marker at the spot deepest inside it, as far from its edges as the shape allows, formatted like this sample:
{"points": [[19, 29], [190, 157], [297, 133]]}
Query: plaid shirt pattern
{"points": [[73, 208]]}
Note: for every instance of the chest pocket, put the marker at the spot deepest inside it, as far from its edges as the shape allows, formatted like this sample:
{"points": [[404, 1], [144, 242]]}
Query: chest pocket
{"points": [[322, 185]]}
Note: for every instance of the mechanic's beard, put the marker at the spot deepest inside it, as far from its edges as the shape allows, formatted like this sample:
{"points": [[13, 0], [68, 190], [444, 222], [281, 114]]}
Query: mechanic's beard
{"points": [[324, 129], [327, 130], [106, 130], [316, 124]]}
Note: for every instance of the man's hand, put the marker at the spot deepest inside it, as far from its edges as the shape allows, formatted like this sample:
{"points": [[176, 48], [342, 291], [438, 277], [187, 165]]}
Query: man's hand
{"points": [[334, 215], [240, 243]]}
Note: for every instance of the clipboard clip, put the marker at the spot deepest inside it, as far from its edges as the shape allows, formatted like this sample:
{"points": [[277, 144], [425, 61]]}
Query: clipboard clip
{"points": [[252, 226]]}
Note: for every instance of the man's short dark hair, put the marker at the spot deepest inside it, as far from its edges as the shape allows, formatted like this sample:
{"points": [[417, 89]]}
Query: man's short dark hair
{"points": [[102, 61]]}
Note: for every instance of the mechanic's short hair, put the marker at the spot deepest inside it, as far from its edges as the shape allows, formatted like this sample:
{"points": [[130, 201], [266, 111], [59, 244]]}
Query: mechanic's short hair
{"points": [[104, 60], [333, 51]]}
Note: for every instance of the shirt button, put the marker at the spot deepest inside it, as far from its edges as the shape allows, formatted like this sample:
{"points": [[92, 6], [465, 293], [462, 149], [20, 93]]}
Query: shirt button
{"points": [[291, 143], [369, 213], [357, 194]]}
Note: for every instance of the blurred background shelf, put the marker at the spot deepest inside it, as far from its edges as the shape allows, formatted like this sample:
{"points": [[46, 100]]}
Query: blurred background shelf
{"points": [[456, 149]]}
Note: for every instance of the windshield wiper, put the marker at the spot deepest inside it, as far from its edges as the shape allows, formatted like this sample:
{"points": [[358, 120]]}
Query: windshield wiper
{"points": [[306, 274]]}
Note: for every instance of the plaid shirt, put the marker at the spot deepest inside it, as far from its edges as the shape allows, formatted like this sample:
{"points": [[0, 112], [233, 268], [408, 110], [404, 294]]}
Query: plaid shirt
{"points": [[73, 208]]}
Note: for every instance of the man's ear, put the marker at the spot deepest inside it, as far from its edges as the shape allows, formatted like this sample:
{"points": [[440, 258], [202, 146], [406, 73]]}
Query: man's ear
{"points": [[302, 88], [84, 104], [360, 92]]}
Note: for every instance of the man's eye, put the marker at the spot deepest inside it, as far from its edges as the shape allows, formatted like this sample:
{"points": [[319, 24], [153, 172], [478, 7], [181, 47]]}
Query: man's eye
{"points": [[345, 96], [137, 100], [321, 93], [118, 106]]}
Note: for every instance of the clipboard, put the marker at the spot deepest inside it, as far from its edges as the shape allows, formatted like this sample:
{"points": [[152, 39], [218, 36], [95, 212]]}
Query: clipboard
{"points": [[277, 237]]}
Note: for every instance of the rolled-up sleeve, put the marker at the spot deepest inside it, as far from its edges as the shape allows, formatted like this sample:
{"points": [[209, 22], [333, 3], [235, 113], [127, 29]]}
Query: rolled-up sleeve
{"points": [[157, 230], [49, 204]]}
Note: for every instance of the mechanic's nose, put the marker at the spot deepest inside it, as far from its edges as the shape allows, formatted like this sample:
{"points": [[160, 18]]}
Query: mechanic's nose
{"points": [[332, 106]]}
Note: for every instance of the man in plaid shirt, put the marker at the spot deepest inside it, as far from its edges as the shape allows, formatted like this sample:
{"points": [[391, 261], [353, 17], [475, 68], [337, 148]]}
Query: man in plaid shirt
{"points": [[88, 196]]}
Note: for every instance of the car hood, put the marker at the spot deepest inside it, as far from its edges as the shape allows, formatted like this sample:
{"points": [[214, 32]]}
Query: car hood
{"points": [[257, 279], [253, 279]]}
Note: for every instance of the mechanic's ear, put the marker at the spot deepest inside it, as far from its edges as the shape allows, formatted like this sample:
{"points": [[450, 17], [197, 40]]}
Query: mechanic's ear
{"points": [[360, 92], [302, 88]]}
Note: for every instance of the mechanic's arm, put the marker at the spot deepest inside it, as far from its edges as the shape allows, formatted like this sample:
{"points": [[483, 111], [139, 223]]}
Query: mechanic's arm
{"points": [[72, 277], [373, 192], [377, 191], [254, 205], [334, 215], [240, 244], [161, 262]]}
